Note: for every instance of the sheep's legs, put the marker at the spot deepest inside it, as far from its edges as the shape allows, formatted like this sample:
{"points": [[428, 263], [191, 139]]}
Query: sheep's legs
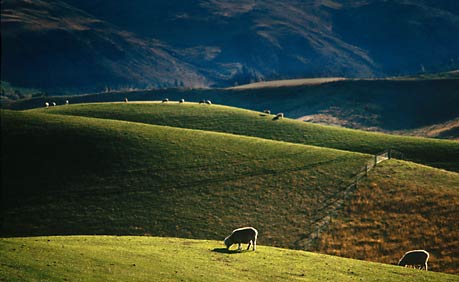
{"points": [[239, 248], [254, 245], [250, 243]]}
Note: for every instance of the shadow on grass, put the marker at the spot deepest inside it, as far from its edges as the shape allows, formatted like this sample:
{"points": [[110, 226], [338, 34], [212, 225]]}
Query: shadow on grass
{"points": [[226, 251]]}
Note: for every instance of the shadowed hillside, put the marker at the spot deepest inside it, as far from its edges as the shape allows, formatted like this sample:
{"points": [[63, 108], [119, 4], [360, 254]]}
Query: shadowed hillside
{"points": [[75, 46], [94, 176]]}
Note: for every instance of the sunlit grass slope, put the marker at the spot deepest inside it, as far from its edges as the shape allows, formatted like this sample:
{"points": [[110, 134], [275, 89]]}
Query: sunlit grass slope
{"points": [[78, 175], [399, 207], [103, 258], [438, 153]]}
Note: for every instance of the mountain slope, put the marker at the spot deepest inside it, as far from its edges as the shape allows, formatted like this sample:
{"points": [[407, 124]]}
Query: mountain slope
{"points": [[440, 153], [85, 45], [53, 46]]}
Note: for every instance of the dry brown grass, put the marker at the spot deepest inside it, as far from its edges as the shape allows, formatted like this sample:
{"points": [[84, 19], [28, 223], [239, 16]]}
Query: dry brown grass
{"points": [[400, 207], [288, 82]]}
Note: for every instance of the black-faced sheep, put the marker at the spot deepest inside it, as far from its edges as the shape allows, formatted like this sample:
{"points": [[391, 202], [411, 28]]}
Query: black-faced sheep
{"points": [[246, 235], [415, 258], [182, 101], [165, 100]]}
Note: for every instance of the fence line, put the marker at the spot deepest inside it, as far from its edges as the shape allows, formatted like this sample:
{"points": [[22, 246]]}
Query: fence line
{"points": [[336, 202]]}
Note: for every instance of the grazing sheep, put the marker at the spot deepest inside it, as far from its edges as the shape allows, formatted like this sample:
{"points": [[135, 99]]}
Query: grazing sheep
{"points": [[415, 258], [46, 104], [66, 102], [165, 100], [208, 102], [125, 100], [279, 116], [182, 101], [246, 235], [267, 112], [54, 104]]}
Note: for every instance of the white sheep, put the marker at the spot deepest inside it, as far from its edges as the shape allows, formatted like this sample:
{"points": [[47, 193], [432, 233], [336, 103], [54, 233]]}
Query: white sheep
{"points": [[54, 104], [126, 100], [66, 102], [415, 258], [182, 101], [279, 116], [267, 112], [46, 104], [208, 102], [246, 235]]}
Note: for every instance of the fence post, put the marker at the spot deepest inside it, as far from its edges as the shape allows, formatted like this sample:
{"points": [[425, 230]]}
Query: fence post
{"points": [[376, 160], [389, 153], [366, 169]]}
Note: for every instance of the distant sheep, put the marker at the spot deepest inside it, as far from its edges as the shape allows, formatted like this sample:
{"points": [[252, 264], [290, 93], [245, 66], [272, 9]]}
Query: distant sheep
{"points": [[165, 100], [415, 258], [246, 235], [182, 101], [267, 112], [279, 116], [205, 102], [46, 104], [126, 100], [66, 102], [54, 104]]}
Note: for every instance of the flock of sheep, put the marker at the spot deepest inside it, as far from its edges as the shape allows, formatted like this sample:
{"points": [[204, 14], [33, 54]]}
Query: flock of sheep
{"points": [[249, 235], [47, 104]]}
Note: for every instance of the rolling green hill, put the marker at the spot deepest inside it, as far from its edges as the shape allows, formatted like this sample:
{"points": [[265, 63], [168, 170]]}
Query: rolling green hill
{"points": [[77, 175], [163, 170], [105, 258], [439, 153]]}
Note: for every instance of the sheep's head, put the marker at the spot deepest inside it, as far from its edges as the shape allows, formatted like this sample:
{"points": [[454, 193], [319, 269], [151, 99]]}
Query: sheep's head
{"points": [[228, 242]]}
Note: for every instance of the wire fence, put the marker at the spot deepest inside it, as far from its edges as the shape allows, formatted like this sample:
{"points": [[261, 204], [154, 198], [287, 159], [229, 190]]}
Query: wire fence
{"points": [[334, 204]]}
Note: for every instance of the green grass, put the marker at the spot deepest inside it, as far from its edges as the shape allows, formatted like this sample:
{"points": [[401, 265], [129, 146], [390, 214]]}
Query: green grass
{"points": [[104, 258], [437, 153], [77, 175]]}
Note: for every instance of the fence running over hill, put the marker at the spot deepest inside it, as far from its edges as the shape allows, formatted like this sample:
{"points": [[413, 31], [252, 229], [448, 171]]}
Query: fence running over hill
{"points": [[332, 206]]}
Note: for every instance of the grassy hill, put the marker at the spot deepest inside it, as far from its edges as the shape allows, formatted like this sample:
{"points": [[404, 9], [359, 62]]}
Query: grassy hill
{"points": [[104, 258], [439, 153], [96, 176], [118, 174], [400, 206], [388, 105]]}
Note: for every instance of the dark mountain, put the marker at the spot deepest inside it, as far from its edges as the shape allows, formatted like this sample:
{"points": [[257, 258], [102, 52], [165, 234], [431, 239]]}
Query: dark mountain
{"points": [[220, 42], [52, 45]]}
